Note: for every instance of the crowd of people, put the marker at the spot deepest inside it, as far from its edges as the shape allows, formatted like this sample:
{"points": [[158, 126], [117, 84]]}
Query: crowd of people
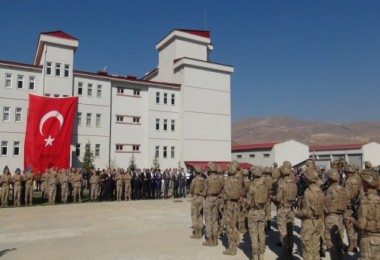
{"points": [[347, 200], [68, 185]]}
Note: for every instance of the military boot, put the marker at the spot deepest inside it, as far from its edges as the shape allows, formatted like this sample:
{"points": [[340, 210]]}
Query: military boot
{"points": [[208, 242], [215, 241], [230, 251], [199, 234]]}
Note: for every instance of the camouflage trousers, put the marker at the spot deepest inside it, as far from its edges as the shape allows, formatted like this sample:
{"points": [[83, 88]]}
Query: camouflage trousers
{"points": [[370, 246], [333, 237], [352, 235], [77, 193], [28, 194], [64, 192], [4, 196], [52, 194], [17, 195], [94, 192], [285, 222], [268, 211], [197, 212], [256, 226], [232, 213], [119, 191], [211, 215], [127, 191], [242, 217], [310, 235]]}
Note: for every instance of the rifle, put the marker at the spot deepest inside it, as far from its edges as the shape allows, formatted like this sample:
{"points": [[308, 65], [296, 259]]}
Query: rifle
{"points": [[354, 207]]}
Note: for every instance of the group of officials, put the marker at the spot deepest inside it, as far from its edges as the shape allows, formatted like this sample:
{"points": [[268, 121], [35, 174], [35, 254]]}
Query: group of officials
{"points": [[64, 185], [347, 200]]}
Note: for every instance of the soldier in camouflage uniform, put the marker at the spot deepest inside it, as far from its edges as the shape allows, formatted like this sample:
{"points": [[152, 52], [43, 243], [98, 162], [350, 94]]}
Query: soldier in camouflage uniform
{"points": [[52, 184], [63, 180], [76, 181], [119, 176], [94, 183], [311, 214], [268, 207], [212, 192], [45, 185], [29, 179], [127, 185], [16, 180], [196, 191], [233, 190], [5, 181], [368, 221], [243, 207], [257, 198]]}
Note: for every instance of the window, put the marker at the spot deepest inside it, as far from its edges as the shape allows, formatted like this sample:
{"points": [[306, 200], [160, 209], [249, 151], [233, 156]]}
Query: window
{"points": [[136, 148], [48, 68], [16, 148], [157, 152], [165, 124], [157, 97], [172, 152], [99, 91], [136, 120], [8, 80], [119, 147], [4, 148], [77, 150], [173, 99], [98, 119], [119, 118], [80, 88], [238, 156], [252, 156], [32, 83], [6, 114], [165, 153], [89, 90], [136, 92], [266, 155], [58, 69], [88, 119], [165, 98], [97, 150], [172, 125], [157, 124], [56, 95], [67, 71], [20, 81], [79, 119], [18, 114], [120, 91]]}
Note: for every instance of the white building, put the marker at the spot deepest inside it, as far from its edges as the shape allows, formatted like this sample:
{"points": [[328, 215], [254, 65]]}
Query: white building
{"points": [[179, 112], [265, 154]]}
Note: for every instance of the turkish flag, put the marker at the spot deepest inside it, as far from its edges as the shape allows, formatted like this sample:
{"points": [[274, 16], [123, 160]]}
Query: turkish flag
{"points": [[48, 132]]}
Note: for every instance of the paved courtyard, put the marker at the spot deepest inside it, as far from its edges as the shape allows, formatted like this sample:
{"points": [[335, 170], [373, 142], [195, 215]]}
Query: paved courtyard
{"points": [[148, 229]]}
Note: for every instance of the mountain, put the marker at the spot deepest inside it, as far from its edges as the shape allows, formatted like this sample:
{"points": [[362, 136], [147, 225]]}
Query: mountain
{"points": [[283, 128]]}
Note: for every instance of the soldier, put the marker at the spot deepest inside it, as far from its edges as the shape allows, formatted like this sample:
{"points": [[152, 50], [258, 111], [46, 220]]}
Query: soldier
{"points": [[275, 172], [29, 179], [127, 185], [311, 212], [5, 180], [52, 184], [257, 198], [242, 206], [119, 176], [368, 221], [44, 184], [16, 180], [233, 190], [94, 183], [285, 197], [166, 177], [63, 180], [196, 191], [212, 190], [352, 187], [267, 176], [335, 205], [76, 181]]}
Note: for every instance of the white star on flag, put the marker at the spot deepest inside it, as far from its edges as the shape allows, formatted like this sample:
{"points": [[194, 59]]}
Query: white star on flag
{"points": [[49, 141]]}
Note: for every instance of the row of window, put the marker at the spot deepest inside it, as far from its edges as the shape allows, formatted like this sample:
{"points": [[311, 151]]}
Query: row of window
{"points": [[165, 98], [5, 148], [58, 68], [128, 119], [165, 124], [20, 81], [165, 152], [98, 119], [265, 155], [7, 114], [120, 147], [125, 91], [89, 90], [96, 152]]}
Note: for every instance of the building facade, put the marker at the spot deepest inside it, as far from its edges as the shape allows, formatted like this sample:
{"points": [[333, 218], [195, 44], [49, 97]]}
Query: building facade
{"points": [[179, 112]]}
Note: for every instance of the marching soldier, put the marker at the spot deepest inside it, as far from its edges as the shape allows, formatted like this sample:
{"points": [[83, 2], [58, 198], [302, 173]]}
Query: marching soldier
{"points": [[243, 207], [29, 179], [63, 180], [52, 184], [16, 180], [196, 191], [5, 181], [44, 184], [268, 207], [94, 184], [76, 181]]}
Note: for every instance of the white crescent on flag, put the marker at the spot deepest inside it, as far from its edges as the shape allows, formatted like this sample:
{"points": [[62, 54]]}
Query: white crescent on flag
{"points": [[56, 114]]}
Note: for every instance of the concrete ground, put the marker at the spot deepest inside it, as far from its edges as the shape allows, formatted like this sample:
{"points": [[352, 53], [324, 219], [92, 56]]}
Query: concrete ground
{"points": [[146, 229]]}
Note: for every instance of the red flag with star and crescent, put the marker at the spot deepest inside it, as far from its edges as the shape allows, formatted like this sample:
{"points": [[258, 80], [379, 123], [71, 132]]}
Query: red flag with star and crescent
{"points": [[48, 132]]}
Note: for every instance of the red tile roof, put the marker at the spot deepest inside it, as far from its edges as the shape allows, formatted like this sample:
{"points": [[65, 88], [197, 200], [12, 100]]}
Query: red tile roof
{"points": [[335, 147], [253, 146], [60, 34], [205, 34], [17, 64]]}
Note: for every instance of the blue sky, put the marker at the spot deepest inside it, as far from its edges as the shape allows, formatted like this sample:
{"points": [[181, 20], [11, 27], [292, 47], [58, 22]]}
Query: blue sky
{"points": [[314, 60]]}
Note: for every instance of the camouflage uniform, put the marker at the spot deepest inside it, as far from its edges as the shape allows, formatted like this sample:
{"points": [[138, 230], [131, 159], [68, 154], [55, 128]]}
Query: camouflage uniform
{"points": [[243, 207], [63, 180], [268, 207], [127, 185], [29, 179], [76, 181], [213, 188], [52, 184], [94, 182], [44, 184], [5, 180], [196, 191], [17, 179], [119, 184]]}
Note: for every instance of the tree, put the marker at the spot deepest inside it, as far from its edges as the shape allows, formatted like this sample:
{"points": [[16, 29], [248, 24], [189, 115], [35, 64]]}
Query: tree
{"points": [[88, 158], [156, 163], [132, 163]]}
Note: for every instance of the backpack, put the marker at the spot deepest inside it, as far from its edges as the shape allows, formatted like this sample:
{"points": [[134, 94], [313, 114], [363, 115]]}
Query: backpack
{"points": [[373, 223], [318, 202], [214, 185], [235, 188], [261, 193], [198, 185], [291, 190], [342, 199]]}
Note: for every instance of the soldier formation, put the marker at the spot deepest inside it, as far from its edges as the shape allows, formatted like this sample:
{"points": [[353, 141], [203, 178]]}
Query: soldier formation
{"points": [[344, 198]]}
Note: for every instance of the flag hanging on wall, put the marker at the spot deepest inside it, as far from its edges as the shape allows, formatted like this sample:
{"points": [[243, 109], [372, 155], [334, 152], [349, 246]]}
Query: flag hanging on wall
{"points": [[48, 132]]}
